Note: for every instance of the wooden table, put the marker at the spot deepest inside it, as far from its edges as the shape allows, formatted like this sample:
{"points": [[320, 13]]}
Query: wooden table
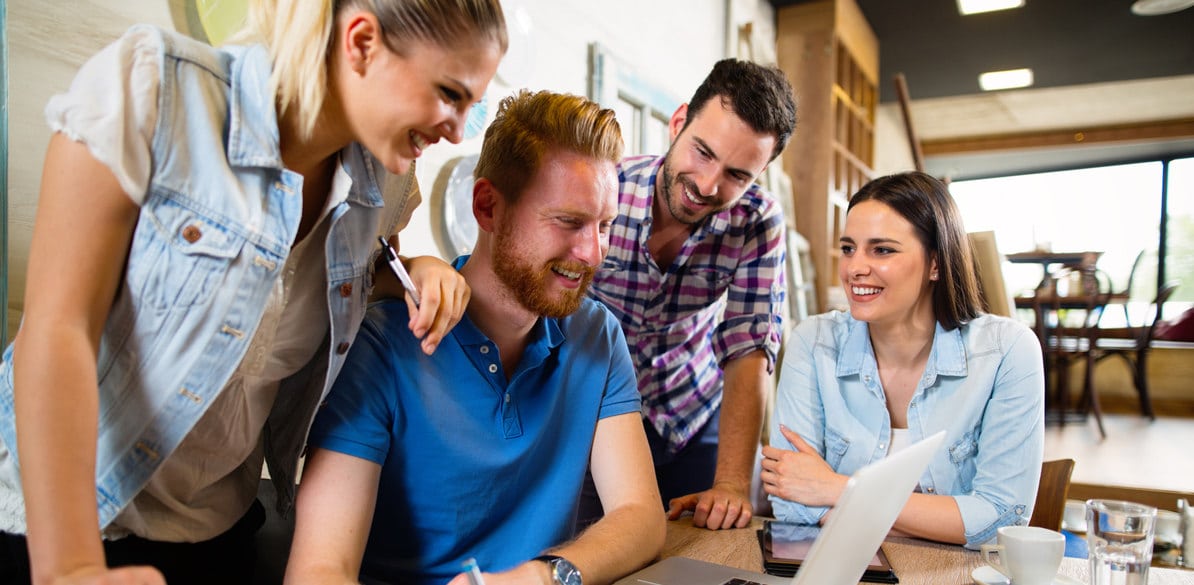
{"points": [[1083, 260], [916, 562]]}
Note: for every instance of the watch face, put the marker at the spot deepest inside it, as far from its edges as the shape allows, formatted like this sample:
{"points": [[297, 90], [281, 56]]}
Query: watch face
{"points": [[564, 572], [453, 224]]}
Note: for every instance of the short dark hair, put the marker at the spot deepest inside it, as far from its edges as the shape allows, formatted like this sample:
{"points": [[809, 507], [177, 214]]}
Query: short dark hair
{"points": [[926, 203], [758, 94]]}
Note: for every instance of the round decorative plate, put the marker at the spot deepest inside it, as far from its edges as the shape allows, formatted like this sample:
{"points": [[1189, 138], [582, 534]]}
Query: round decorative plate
{"points": [[453, 224], [478, 114]]}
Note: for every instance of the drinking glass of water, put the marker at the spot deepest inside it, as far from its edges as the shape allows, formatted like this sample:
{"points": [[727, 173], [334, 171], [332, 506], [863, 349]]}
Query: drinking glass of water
{"points": [[1119, 536]]}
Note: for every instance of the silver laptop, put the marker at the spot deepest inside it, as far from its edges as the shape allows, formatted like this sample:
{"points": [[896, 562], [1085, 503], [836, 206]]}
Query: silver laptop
{"points": [[861, 519]]}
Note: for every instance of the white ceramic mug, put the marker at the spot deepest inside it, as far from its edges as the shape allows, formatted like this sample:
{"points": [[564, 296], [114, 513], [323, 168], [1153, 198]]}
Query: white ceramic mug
{"points": [[1027, 555]]}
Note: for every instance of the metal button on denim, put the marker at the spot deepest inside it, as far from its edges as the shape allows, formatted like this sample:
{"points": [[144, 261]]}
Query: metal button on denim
{"points": [[192, 233]]}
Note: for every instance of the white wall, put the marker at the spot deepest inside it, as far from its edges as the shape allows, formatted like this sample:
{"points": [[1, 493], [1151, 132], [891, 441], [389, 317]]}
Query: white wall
{"points": [[893, 153], [673, 43], [47, 42]]}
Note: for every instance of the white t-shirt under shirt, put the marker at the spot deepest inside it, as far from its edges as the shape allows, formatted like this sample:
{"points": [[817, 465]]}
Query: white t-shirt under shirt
{"points": [[899, 441]]}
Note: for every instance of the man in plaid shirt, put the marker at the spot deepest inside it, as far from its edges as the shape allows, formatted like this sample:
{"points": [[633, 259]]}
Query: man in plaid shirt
{"points": [[695, 275]]}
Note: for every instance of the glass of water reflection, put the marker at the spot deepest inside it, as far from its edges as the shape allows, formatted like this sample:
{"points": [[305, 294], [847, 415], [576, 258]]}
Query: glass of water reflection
{"points": [[1119, 536]]}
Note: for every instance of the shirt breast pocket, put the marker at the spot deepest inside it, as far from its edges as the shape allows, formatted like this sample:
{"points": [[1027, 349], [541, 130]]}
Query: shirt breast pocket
{"points": [[179, 257], [707, 281], [836, 447]]}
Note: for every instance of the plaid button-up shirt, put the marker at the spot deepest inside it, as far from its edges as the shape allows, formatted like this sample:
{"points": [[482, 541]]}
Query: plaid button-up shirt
{"points": [[721, 298]]}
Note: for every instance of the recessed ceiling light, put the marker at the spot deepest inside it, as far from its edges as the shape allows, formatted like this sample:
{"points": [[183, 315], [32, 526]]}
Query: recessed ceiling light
{"points": [[977, 6], [1155, 7], [1010, 79]]}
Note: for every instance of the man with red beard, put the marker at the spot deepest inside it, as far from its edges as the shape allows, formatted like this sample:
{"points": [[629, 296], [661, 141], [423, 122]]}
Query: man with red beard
{"points": [[419, 462], [695, 275]]}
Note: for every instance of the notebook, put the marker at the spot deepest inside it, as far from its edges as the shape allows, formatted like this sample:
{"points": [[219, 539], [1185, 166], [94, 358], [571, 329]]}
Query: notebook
{"points": [[861, 519]]}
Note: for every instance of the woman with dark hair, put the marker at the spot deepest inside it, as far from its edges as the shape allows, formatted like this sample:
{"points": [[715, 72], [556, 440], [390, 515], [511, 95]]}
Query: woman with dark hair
{"points": [[914, 355]]}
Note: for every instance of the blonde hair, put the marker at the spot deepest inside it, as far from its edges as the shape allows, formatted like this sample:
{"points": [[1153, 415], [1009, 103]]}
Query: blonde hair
{"points": [[298, 34], [528, 125]]}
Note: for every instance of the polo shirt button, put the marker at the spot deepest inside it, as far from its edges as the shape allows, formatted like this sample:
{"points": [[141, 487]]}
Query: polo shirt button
{"points": [[507, 397], [346, 289], [929, 490], [484, 349], [342, 348], [492, 368], [191, 234]]}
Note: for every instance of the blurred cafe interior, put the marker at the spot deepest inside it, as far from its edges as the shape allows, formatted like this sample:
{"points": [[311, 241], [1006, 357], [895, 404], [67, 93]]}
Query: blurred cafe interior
{"points": [[1077, 185]]}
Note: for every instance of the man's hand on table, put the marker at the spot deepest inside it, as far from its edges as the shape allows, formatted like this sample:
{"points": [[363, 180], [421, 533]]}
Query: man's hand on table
{"points": [[725, 505]]}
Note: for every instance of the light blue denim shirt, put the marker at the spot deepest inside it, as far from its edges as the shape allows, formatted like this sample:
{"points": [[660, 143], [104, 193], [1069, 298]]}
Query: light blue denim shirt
{"points": [[218, 221], [983, 385]]}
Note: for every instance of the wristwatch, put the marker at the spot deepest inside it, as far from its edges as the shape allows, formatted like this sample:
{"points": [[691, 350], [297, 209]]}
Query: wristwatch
{"points": [[563, 572]]}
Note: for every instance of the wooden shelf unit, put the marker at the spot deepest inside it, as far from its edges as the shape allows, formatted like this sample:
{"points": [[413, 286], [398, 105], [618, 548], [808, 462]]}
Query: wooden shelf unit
{"points": [[831, 57]]}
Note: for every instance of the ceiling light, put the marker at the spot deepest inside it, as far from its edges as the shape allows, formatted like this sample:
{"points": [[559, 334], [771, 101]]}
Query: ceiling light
{"points": [[1012, 78], [977, 6], [1155, 7]]}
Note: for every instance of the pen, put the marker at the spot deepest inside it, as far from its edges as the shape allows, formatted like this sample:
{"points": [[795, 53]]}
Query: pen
{"points": [[473, 572], [399, 270]]}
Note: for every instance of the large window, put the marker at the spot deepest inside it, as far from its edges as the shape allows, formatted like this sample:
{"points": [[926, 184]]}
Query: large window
{"points": [[1116, 210], [1179, 253]]}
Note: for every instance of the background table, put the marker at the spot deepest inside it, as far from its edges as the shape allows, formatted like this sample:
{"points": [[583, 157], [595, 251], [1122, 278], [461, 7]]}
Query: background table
{"points": [[1084, 260], [916, 562]]}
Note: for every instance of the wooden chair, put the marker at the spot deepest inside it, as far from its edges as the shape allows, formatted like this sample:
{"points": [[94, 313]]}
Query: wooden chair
{"points": [[1052, 493], [1132, 344], [1066, 346], [1123, 297], [989, 268]]}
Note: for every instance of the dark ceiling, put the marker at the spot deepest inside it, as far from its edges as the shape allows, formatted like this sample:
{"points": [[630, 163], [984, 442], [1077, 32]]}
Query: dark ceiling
{"points": [[1065, 42]]}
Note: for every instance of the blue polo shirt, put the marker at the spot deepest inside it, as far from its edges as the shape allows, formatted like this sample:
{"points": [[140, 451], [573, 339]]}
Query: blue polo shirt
{"points": [[473, 466]]}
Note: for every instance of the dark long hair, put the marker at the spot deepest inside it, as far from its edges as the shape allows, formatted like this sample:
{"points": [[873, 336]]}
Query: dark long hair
{"points": [[926, 203]]}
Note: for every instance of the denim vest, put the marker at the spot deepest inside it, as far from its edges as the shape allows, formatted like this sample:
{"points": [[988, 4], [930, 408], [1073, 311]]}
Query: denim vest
{"points": [[215, 229]]}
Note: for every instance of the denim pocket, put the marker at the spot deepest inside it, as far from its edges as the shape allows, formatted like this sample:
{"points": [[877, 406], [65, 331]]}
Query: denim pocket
{"points": [[836, 447], [179, 257]]}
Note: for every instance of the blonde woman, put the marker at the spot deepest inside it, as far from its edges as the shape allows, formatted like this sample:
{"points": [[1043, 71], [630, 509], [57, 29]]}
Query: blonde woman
{"points": [[220, 208]]}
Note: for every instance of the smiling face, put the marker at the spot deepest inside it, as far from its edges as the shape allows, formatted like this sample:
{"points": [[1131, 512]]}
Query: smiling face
{"points": [[711, 163], [884, 267], [549, 243], [398, 105]]}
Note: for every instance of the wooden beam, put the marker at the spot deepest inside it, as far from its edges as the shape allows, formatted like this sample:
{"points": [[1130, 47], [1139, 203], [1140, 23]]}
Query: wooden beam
{"points": [[918, 156], [1139, 132]]}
